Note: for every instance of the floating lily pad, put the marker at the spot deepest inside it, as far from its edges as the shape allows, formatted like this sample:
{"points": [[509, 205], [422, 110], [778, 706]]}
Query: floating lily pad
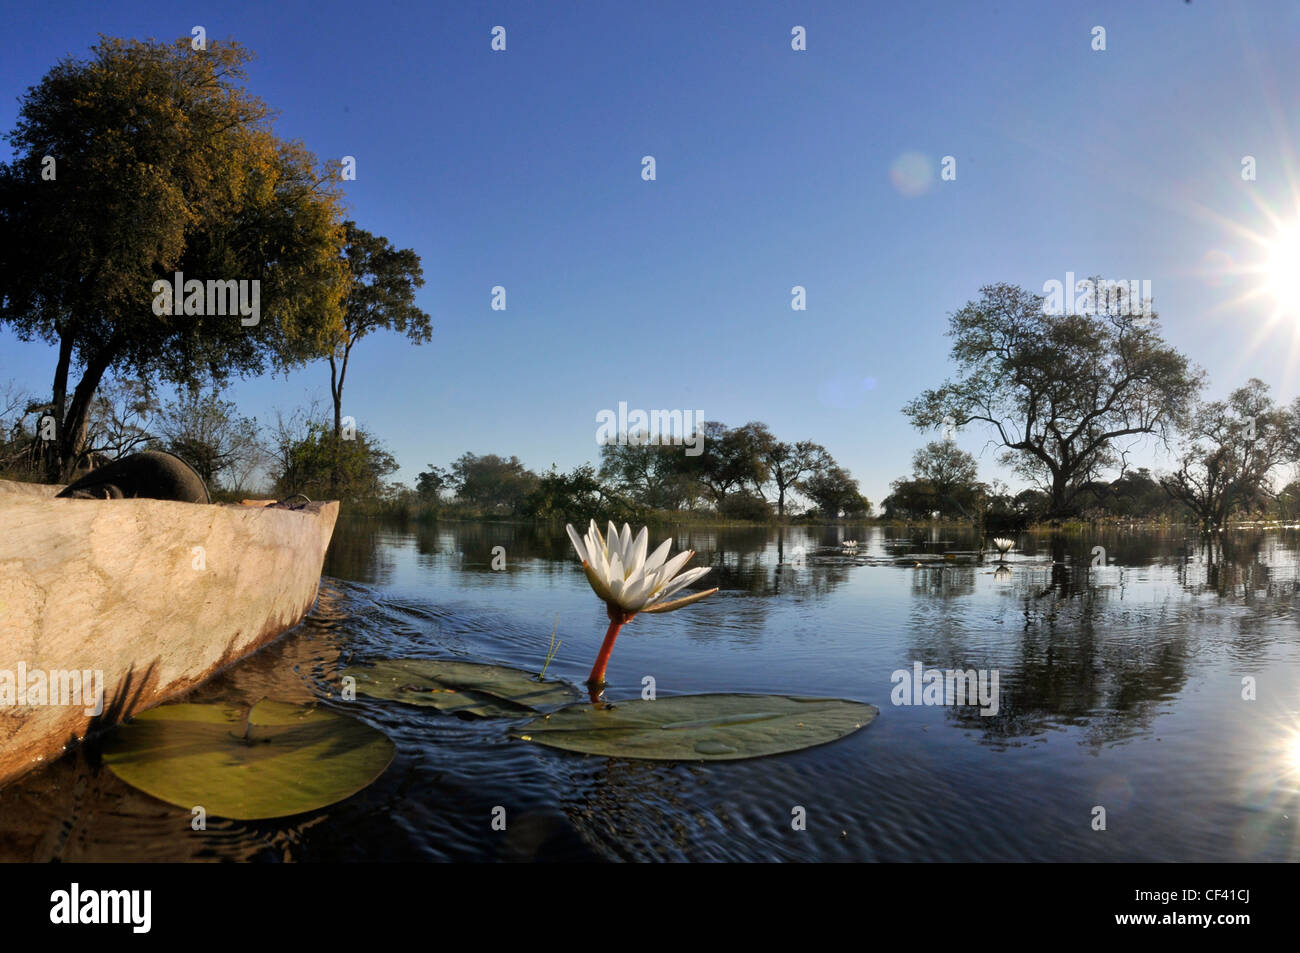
{"points": [[471, 688], [700, 727], [280, 759]]}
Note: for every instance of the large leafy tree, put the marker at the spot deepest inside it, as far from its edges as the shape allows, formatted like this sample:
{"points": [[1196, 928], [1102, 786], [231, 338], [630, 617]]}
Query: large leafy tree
{"points": [[307, 457], [381, 296], [951, 471], [835, 492], [651, 473], [1232, 450], [1061, 392], [788, 464], [944, 479], [733, 458], [497, 484], [430, 484], [162, 162], [1134, 494], [574, 496]]}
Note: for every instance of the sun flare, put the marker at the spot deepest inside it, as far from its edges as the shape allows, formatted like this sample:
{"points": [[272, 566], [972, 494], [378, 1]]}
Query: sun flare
{"points": [[1281, 270]]}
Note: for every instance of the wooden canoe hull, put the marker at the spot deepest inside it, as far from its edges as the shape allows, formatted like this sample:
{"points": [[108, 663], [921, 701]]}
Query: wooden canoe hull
{"points": [[155, 595]]}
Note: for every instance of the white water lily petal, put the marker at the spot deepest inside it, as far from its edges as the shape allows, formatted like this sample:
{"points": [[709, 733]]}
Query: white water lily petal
{"points": [[636, 564], [598, 585], [674, 565], [621, 574], [678, 603], [617, 577], [577, 543], [685, 579], [635, 596], [657, 558], [601, 562]]}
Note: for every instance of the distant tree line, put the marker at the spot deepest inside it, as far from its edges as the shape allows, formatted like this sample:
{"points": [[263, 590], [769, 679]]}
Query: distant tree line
{"points": [[743, 473]]}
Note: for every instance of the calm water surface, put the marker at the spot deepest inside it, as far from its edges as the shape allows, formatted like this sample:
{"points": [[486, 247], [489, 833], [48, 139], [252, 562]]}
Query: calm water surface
{"points": [[1121, 687]]}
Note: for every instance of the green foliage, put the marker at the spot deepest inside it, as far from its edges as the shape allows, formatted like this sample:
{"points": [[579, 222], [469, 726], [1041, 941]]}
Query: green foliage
{"points": [[381, 283], [430, 485], [492, 483], [789, 463], [1287, 505], [656, 475], [734, 458], [381, 288], [1136, 494], [323, 466], [914, 499], [566, 496], [164, 163], [834, 492], [944, 481], [745, 505], [1232, 449], [1058, 389]]}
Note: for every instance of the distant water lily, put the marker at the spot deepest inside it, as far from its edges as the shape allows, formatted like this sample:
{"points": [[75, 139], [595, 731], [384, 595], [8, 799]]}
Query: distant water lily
{"points": [[1003, 545], [630, 582]]}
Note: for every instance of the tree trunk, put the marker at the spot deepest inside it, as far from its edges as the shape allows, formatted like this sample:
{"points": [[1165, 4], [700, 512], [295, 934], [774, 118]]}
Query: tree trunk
{"points": [[1060, 486], [54, 461], [72, 435], [338, 370]]}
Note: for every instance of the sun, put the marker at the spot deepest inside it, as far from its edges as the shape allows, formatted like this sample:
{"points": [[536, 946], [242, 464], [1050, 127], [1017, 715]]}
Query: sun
{"points": [[1280, 270]]}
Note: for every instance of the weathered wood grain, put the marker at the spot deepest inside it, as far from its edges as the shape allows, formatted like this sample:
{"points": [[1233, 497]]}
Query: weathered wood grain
{"points": [[157, 595]]}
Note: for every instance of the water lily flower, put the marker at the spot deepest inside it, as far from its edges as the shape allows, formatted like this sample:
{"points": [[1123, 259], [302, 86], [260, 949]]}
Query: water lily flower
{"points": [[1003, 545], [630, 582]]}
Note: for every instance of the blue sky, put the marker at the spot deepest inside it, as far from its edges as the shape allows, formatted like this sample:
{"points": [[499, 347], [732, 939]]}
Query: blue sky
{"points": [[523, 169]]}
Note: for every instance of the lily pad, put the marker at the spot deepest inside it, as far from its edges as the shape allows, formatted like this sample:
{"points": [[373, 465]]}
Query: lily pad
{"points": [[720, 727], [278, 759], [470, 688]]}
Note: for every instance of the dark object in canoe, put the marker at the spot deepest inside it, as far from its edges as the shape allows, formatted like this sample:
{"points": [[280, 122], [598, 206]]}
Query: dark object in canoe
{"points": [[151, 475]]}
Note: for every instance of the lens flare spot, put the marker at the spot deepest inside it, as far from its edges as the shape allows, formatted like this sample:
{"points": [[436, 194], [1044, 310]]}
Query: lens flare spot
{"points": [[912, 174]]}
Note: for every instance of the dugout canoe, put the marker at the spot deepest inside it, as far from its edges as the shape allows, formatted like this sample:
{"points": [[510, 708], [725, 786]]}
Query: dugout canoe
{"points": [[156, 595]]}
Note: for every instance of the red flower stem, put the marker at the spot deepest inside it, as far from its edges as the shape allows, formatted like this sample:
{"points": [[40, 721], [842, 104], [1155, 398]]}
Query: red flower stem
{"points": [[617, 619]]}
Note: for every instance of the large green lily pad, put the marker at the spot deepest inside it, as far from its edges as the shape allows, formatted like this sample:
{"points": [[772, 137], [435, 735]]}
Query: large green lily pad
{"points": [[276, 760], [700, 727], [470, 688]]}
